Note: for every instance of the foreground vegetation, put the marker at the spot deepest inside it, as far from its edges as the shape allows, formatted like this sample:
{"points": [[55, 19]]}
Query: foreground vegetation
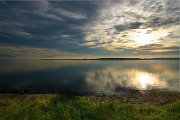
{"points": [[68, 107]]}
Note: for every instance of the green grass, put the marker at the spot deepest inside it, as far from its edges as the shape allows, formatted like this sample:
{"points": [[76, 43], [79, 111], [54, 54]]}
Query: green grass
{"points": [[67, 107]]}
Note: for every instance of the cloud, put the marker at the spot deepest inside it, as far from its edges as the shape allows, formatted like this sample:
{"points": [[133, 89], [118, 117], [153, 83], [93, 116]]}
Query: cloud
{"points": [[131, 24], [91, 27], [157, 48]]}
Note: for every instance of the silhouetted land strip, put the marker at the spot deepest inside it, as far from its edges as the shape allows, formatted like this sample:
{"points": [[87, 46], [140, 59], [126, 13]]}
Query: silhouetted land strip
{"points": [[116, 59]]}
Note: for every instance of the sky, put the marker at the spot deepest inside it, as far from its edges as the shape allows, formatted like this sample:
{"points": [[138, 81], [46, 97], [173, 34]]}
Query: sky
{"points": [[89, 28]]}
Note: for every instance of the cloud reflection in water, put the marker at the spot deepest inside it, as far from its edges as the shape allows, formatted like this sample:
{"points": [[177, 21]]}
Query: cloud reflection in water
{"points": [[81, 76]]}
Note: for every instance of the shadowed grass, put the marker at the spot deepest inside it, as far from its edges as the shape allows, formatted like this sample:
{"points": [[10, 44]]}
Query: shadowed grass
{"points": [[68, 107]]}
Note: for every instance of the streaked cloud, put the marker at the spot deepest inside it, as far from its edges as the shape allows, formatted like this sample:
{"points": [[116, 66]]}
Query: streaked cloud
{"points": [[32, 52], [62, 12]]}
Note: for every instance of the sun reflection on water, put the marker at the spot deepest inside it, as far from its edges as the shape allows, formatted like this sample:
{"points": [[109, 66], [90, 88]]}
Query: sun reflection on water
{"points": [[146, 79]]}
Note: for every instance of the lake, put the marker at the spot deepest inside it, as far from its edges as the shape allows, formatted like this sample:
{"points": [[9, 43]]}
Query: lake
{"points": [[88, 76]]}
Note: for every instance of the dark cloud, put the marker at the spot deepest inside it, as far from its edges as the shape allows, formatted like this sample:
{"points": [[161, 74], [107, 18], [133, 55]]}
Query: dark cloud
{"points": [[166, 13], [128, 26], [151, 47], [45, 23], [159, 48], [172, 48], [173, 36]]}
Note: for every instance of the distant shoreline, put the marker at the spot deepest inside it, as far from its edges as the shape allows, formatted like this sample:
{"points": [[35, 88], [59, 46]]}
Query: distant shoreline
{"points": [[92, 59], [119, 59]]}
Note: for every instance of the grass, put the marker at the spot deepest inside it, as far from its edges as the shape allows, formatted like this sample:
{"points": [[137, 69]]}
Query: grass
{"points": [[68, 107]]}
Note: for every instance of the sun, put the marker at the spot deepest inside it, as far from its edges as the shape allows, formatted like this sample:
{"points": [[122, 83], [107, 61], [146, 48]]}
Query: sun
{"points": [[143, 39], [144, 36]]}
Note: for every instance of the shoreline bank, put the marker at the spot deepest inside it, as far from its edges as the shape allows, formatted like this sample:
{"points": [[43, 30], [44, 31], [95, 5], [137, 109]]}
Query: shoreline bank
{"points": [[71, 107], [151, 97]]}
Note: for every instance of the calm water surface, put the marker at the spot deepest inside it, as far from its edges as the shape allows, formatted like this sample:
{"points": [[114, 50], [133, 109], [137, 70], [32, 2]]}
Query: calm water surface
{"points": [[87, 76]]}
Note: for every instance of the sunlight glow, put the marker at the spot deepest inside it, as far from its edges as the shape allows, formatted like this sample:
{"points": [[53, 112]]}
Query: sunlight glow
{"points": [[147, 36], [144, 39]]}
